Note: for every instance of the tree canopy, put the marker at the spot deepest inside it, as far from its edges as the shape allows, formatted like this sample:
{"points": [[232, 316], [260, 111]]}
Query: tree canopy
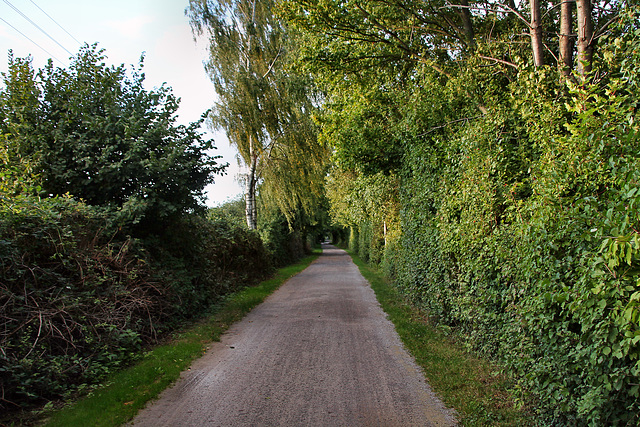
{"points": [[96, 132], [263, 105]]}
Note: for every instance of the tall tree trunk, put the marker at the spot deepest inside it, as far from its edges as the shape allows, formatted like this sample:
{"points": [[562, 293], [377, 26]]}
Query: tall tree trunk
{"points": [[465, 14], [251, 211], [536, 33], [566, 37], [585, 36]]}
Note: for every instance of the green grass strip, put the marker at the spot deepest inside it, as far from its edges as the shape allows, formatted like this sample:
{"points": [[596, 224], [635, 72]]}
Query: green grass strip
{"points": [[127, 391], [465, 382]]}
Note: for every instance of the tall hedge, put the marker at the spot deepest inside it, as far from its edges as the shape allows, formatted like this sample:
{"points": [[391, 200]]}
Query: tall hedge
{"points": [[521, 229]]}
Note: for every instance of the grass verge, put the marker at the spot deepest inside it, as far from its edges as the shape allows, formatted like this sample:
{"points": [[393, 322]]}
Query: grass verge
{"points": [[465, 382], [127, 391]]}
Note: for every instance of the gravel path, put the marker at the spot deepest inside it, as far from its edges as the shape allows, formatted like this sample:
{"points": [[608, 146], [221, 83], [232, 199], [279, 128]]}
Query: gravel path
{"points": [[318, 352]]}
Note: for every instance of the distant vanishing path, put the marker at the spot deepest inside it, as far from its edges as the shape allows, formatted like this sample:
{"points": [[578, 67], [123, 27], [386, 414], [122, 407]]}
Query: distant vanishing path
{"points": [[318, 352]]}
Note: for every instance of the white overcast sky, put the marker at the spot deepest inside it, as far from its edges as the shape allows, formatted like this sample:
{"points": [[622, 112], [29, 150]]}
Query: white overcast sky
{"points": [[125, 29]]}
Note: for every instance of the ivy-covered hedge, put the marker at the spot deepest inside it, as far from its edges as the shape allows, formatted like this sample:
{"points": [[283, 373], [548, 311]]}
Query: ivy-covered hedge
{"points": [[79, 298], [520, 227], [524, 235]]}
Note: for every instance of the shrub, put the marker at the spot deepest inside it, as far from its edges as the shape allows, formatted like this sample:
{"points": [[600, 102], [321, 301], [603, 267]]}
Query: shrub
{"points": [[283, 244], [76, 301], [202, 260], [79, 299]]}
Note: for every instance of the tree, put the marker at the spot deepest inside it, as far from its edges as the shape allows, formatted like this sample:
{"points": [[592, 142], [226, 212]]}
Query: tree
{"points": [[245, 44], [535, 29], [95, 132], [359, 34], [20, 115], [362, 34], [262, 105]]}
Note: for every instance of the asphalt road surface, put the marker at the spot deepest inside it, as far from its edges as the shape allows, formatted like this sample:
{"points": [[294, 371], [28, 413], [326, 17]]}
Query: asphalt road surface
{"points": [[318, 352]]}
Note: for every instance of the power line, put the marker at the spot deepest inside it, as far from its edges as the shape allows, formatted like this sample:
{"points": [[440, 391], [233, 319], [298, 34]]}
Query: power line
{"points": [[26, 37], [63, 29], [36, 25]]}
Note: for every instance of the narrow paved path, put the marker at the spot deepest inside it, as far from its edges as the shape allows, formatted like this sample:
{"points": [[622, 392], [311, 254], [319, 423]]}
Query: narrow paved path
{"points": [[318, 352]]}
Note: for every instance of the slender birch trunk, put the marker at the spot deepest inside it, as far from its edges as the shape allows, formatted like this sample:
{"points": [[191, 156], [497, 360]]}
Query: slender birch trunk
{"points": [[384, 231], [536, 33], [567, 38], [585, 36]]}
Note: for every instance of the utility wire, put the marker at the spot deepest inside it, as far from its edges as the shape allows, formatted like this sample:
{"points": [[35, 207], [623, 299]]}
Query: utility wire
{"points": [[63, 29], [36, 25], [26, 37]]}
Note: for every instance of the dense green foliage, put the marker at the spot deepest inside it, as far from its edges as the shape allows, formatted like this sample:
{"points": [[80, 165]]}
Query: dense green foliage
{"points": [[499, 195], [95, 132], [285, 240], [68, 297], [80, 299], [532, 254]]}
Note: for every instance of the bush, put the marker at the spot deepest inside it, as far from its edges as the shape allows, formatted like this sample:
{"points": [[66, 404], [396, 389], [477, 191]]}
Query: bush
{"points": [[202, 260], [79, 299], [95, 132], [283, 244]]}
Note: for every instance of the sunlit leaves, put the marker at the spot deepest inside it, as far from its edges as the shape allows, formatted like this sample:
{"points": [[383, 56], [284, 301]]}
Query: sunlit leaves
{"points": [[263, 105], [19, 115]]}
